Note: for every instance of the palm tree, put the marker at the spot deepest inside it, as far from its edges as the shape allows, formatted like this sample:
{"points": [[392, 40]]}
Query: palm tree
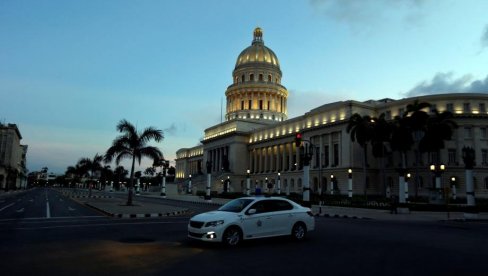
{"points": [[361, 131], [74, 172], [382, 131], [132, 144], [440, 127], [91, 166]]}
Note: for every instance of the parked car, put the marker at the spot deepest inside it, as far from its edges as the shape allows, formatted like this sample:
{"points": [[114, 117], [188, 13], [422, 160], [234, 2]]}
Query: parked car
{"points": [[251, 218]]}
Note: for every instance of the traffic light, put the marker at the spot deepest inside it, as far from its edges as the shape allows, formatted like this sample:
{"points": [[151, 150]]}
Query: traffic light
{"points": [[298, 139]]}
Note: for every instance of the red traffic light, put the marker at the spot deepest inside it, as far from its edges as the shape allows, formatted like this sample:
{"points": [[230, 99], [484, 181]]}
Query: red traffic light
{"points": [[298, 139]]}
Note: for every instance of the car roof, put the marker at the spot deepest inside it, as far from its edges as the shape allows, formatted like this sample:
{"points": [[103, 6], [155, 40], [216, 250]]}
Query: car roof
{"points": [[264, 197]]}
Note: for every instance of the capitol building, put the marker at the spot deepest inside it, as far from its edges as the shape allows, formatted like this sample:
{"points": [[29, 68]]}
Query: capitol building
{"points": [[257, 139]]}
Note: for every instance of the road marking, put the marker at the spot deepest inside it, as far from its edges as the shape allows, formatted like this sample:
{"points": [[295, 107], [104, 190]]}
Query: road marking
{"points": [[7, 206], [20, 210], [48, 211]]}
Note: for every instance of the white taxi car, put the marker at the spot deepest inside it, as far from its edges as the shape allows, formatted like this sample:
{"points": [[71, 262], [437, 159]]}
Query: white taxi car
{"points": [[252, 218]]}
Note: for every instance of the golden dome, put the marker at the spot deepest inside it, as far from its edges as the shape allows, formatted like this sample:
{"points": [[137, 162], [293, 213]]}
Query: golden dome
{"points": [[257, 52]]}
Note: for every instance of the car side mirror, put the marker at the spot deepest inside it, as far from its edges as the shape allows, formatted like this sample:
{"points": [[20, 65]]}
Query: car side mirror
{"points": [[251, 211]]}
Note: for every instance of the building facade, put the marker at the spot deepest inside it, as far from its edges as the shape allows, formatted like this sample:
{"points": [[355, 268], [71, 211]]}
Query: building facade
{"points": [[258, 137], [13, 171]]}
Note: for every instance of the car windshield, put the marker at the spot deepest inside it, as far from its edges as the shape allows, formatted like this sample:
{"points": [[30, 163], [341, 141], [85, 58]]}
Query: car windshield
{"points": [[236, 205]]}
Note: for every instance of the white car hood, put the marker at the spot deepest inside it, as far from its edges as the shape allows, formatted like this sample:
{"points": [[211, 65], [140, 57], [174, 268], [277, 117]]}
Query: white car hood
{"points": [[213, 216]]}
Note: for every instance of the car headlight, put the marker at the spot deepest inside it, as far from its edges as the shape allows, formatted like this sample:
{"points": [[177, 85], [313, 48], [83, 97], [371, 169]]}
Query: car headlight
{"points": [[214, 223]]}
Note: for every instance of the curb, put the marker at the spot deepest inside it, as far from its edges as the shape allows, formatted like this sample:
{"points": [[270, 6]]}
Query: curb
{"points": [[90, 196], [340, 216], [147, 215]]}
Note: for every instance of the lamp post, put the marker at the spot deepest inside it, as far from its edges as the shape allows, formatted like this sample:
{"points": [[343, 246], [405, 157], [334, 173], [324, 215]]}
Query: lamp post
{"points": [[189, 185], [227, 184], [407, 179], [279, 184], [208, 197], [163, 185], [349, 175], [332, 184], [266, 185], [248, 183], [453, 187]]}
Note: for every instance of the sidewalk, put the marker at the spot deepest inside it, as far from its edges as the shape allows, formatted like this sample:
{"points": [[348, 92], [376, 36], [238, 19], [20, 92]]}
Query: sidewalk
{"points": [[361, 213], [116, 207]]}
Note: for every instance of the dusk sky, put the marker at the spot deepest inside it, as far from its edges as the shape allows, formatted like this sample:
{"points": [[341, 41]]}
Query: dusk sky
{"points": [[71, 70]]}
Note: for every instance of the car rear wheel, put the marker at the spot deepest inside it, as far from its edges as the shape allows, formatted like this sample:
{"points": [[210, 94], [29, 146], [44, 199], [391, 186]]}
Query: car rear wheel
{"points": [[232, 236], [299, 231]]}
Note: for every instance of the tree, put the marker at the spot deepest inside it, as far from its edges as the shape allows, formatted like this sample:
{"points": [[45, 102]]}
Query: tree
{"points": [[91, 166], [380, 142], [132, 144], [74, 172], [439, 127], [361, 131]]}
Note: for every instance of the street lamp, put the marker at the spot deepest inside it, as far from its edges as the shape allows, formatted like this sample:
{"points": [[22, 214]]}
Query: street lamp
{"points": [[453, 187], [332, 184], [189, 185], [349, 175], [248, 183], [208, 197], [279, 184], [266, 184], [406, 185]]}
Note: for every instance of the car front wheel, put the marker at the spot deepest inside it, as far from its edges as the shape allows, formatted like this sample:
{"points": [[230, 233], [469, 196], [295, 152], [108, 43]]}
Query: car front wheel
{"points": [[232, 236], [299, 231]]}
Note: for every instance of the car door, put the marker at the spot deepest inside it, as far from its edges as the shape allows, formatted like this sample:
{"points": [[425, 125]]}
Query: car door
{"points": [[282, 216], [258, 224]]}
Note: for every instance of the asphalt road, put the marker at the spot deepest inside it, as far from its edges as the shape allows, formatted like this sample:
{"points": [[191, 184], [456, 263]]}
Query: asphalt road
{"points": [[87, 244]]}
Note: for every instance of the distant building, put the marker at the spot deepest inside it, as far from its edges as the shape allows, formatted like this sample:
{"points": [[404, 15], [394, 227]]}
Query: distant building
{"points": [[257, 136], [13, 172]]}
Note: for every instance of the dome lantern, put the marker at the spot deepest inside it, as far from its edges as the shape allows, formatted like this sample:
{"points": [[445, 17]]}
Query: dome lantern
{"points": [[258, 36]]}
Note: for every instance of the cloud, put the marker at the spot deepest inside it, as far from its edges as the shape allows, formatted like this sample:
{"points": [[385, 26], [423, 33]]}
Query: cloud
{"points": [[484, 37], [359, 14], [171, 130], [446, 83]]}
